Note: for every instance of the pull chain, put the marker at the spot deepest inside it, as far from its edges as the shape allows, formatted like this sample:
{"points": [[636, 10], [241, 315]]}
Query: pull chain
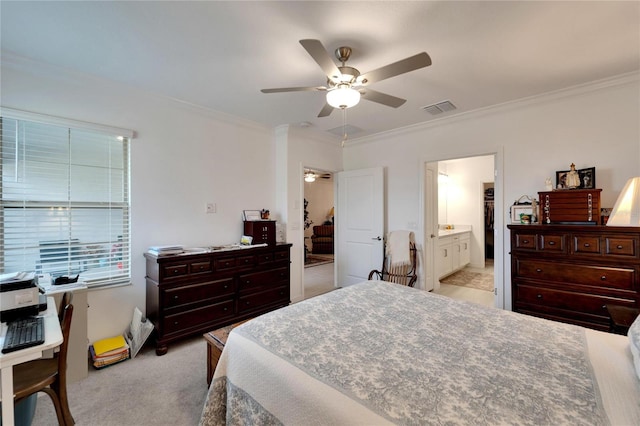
{"points": [[344, 126]]}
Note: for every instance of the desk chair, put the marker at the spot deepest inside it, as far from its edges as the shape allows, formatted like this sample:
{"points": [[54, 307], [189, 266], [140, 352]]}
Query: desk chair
{"points": [[49, 375]]}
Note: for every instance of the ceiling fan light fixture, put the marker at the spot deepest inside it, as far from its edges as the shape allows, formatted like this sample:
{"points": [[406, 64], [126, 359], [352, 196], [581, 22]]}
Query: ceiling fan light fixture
{"points": [[343, 96], [309, 177]]}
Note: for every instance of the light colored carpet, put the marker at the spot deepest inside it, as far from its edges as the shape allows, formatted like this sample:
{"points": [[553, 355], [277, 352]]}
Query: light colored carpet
{"points": [[146, 390], [470, 279], [318, 280]]}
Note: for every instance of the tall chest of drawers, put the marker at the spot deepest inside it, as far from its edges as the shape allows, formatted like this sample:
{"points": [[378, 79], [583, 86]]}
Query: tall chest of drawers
{"points": [[188, 294], [570, 273]]}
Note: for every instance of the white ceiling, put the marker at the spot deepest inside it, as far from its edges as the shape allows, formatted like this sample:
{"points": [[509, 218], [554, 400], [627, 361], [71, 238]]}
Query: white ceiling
{"points": [[219, 55]]}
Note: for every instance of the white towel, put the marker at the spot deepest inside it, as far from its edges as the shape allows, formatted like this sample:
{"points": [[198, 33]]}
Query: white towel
{"points": [[398, 248]]}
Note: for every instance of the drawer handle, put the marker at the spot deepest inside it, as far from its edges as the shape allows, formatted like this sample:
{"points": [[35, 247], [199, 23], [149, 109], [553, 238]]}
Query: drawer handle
{"points": [[604, 307], [247, 282], [603, 278], [587, 245], [538, 270], [525, 241], [175, 323], [175, 297], [267, 258], [226, 287], [619, 247], [552, 243], [246, 261], [539, 296], [225, 309], [175, 271], [246, 303]]}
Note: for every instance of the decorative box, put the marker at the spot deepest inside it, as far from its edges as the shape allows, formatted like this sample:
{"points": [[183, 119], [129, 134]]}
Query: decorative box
{"points": [[579, 206], [262, 231]]}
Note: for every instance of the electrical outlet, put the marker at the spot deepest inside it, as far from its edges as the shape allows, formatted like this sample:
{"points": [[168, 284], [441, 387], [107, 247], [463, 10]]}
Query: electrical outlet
{"points": [[210, 208]]}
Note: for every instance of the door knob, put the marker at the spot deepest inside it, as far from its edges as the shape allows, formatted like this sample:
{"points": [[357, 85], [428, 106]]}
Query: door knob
{"points": [[377, 238]]}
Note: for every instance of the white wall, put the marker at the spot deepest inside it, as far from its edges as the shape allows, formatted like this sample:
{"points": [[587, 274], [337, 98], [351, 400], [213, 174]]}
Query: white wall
{"points": [[181, 158], [299, 148], [596, 125]]}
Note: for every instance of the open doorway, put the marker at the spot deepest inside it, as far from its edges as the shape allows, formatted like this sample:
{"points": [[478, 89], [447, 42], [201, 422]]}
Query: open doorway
{"points": [[464, 248], [319, 242]]}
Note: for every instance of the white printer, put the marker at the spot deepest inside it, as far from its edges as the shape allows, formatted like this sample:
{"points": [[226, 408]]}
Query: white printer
{"points": [[19, 295]]}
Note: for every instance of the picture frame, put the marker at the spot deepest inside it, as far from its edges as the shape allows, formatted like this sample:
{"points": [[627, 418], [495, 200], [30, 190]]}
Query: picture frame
{"points": [[251, 215], [519, 211], [587, 178]]}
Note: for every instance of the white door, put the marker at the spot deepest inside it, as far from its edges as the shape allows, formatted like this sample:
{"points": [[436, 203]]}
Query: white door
{"points": [[360, 223]]}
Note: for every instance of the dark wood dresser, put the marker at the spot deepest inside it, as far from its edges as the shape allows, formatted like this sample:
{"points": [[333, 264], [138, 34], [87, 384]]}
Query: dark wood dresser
{"points": [[190, 294], [570, 273]]}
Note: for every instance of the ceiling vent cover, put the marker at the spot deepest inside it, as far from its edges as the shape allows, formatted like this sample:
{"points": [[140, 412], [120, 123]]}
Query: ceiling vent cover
{"points": [[439, 108], [349, 129]]}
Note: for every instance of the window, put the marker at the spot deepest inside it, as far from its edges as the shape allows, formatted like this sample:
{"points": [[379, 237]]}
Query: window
{"points": [[65, 199]]}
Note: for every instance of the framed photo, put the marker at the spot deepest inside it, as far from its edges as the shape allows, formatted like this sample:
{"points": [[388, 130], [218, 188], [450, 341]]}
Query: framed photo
{"points": [[521, 213], [251, 215], [587, 178]]}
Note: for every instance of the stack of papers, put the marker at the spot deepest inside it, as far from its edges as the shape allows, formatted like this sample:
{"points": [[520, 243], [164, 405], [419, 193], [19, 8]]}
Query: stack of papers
{"points": [[166, 250], [109, 351]]}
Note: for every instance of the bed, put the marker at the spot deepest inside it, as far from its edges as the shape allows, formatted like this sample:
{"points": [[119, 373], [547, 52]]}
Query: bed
{"points": [[379, 353]]}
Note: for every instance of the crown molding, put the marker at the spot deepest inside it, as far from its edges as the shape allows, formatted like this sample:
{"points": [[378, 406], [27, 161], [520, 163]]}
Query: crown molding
{"points": [[16, 62], [577, 90]]}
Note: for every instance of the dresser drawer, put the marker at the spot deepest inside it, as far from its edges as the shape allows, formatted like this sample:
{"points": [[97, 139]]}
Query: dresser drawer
{"points": [[568, 300], [597, 276], [197, 317], [621, 247], [525, 241], [586, 244], [200, 267], [278, 295], [183, 295], [281, 255], [175, 270], [266, 258], [224, 263], [266, 278], [551, 243]]}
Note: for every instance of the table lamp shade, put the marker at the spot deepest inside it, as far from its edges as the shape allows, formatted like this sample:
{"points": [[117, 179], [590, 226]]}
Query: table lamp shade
{"points": [[626, 211]]}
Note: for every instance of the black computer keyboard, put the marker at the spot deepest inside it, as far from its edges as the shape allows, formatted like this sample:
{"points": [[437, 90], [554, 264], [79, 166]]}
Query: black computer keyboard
{"points": [[23, 333]]}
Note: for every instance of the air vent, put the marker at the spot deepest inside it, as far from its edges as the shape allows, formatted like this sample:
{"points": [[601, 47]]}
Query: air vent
{"points": [[439, 108], [349, 129]]}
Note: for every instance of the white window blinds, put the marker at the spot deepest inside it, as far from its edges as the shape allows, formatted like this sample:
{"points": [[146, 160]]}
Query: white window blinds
{"points": [[65, 201]]}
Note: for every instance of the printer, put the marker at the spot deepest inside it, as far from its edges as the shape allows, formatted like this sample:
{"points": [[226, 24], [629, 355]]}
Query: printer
{"points": [[19, 295]]}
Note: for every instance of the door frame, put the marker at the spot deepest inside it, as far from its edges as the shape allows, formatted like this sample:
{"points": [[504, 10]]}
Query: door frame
{"points": [[500, 291], [302, 168]]}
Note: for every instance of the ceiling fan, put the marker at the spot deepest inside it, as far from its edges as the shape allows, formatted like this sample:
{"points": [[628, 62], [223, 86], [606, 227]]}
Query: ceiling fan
{"points": [[346, 85]]}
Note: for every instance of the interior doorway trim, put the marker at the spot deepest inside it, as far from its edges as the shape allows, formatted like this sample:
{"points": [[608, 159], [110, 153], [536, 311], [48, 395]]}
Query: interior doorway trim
{"points": [[502, 291]]}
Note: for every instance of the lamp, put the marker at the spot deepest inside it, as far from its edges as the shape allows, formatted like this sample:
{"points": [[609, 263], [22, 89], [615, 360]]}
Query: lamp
{"points": [[343, 96], [626, 211], [309, 177]]}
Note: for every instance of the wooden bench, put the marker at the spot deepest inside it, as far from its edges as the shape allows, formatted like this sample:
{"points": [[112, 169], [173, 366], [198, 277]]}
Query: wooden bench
{"points": [[216, 340]]}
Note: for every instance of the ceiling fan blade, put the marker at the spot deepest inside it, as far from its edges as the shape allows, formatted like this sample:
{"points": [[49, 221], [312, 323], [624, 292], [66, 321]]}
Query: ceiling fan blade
{"points": [[322, 57], [295, 89], [326, 110], [411, 63], [382, 98]]}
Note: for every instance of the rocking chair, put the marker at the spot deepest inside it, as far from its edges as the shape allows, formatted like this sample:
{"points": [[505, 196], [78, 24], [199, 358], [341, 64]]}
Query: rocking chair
{"points": [[400, 274]]}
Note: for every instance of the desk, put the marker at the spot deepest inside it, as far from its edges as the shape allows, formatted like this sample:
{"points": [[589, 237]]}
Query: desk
{"points": [[52, 339]]}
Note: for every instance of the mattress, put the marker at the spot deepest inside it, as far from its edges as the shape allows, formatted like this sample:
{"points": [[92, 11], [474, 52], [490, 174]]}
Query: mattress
{"points": [[381, 353]]}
